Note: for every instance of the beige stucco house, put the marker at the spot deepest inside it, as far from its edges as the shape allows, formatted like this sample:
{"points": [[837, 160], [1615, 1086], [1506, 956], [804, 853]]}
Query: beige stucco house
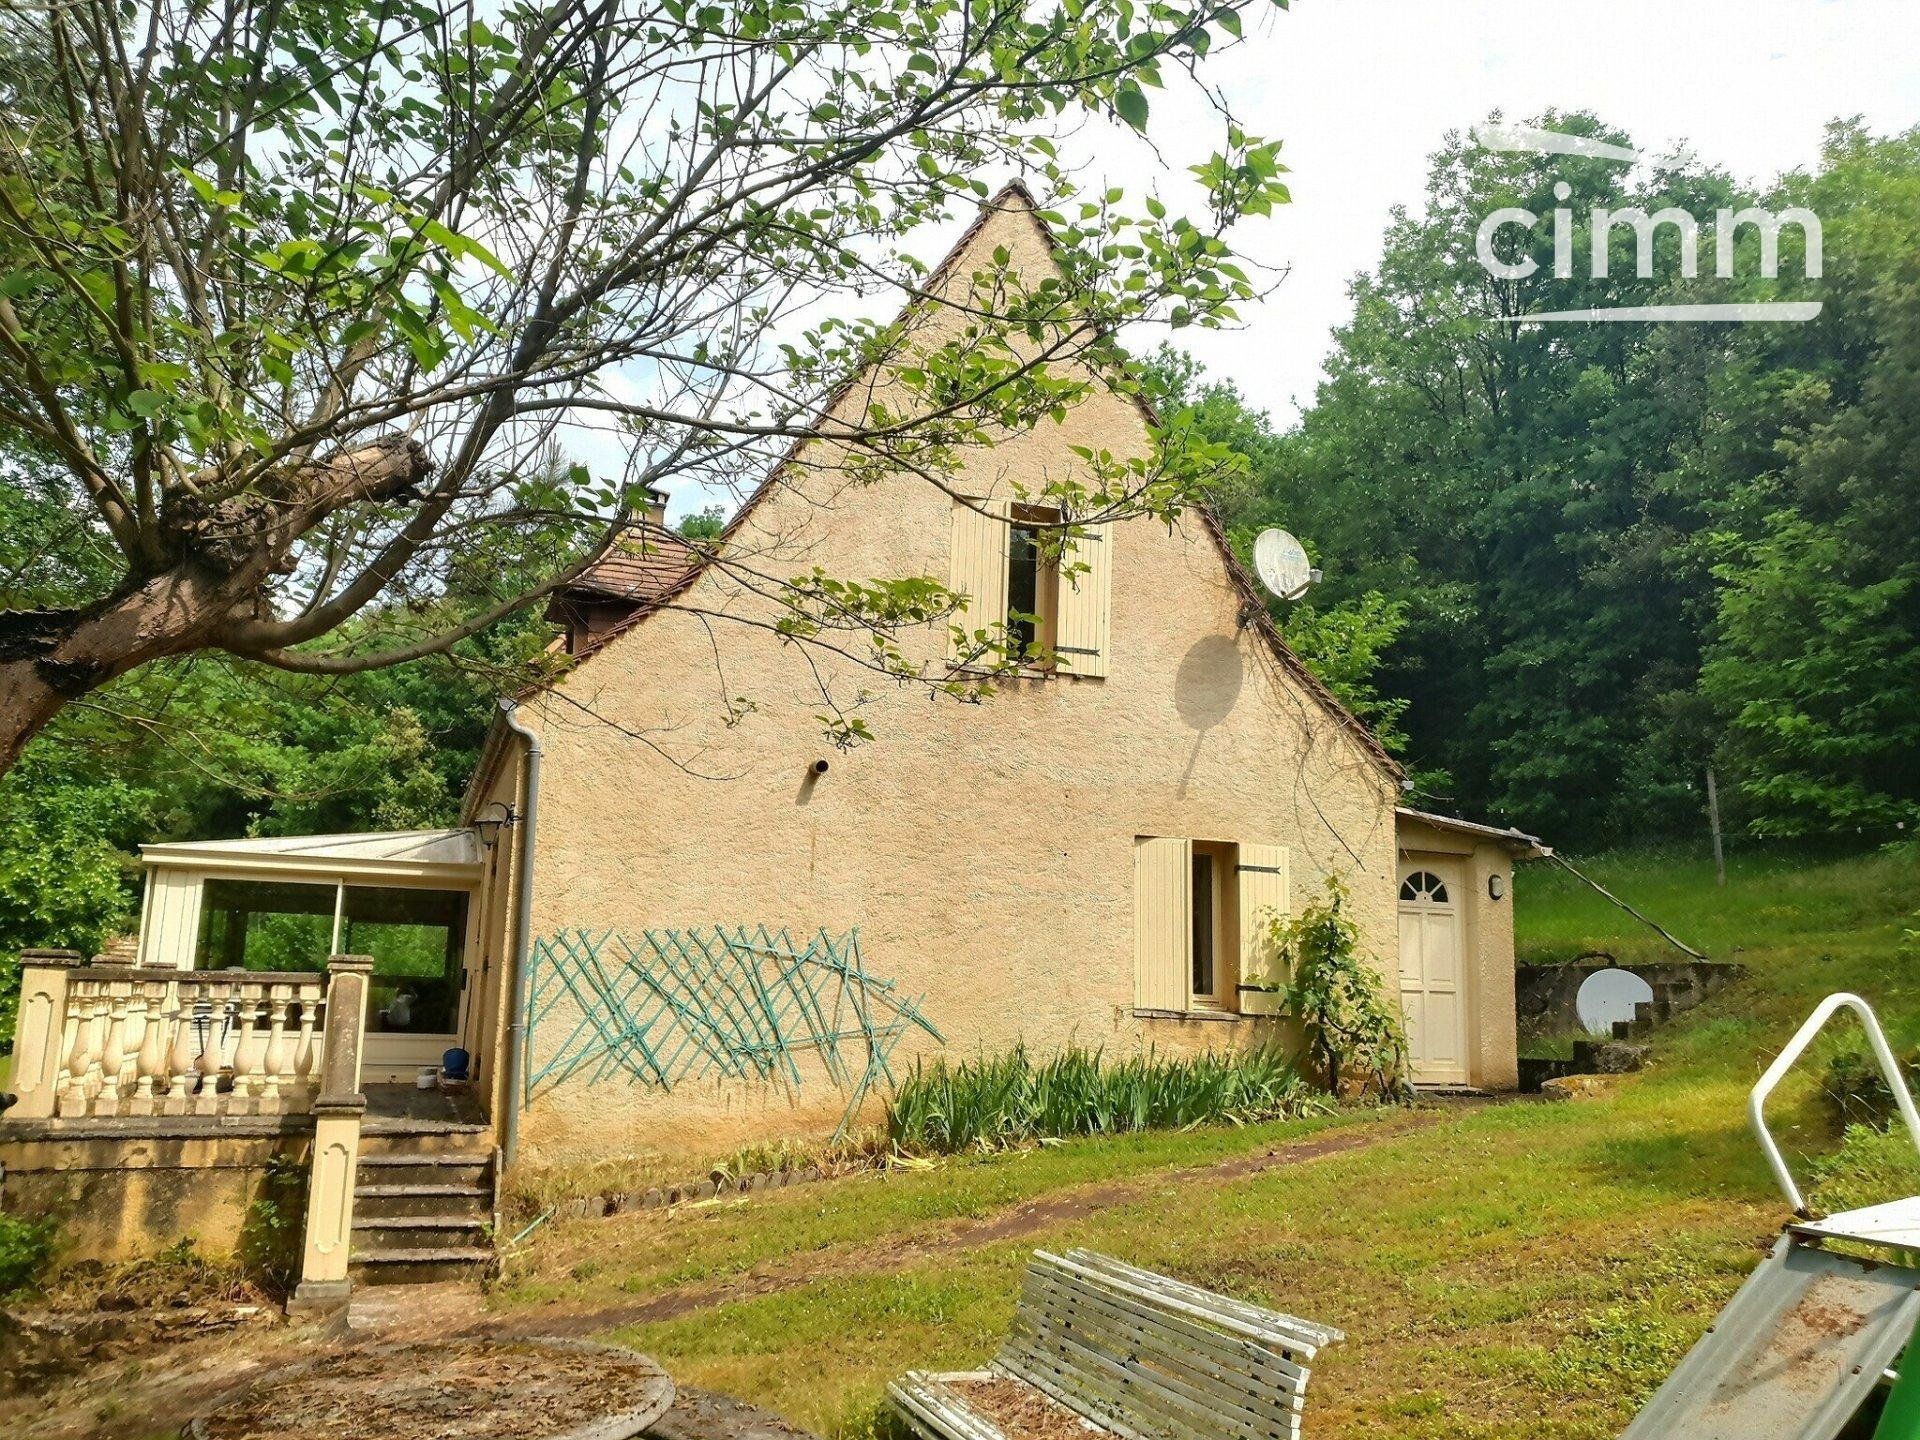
{"points": [[1089, 856], [676, 919]]}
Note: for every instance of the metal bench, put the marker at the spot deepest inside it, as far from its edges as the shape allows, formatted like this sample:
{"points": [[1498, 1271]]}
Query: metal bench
{"points": [[1134, 1354]]}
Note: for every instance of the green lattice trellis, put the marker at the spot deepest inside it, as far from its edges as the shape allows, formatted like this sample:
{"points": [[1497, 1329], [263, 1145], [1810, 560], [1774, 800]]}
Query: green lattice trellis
{"points": [[672, 1005]]}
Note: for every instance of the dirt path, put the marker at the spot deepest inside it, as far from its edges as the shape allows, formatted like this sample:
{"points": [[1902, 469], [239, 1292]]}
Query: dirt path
{"points": [[1028, 1218]]}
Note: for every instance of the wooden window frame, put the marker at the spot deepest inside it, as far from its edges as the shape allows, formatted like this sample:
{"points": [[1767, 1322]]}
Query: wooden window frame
{"points": [[1046, 587], [1223, 857]]}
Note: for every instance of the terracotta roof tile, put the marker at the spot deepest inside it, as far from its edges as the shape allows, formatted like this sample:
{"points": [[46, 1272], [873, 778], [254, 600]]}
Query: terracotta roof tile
{"points": [[641, 569]]}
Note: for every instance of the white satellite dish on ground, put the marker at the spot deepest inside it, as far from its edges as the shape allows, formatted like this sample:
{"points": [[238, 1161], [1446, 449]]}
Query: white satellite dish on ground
{"points": [[1609, 995], [1282, 565]]}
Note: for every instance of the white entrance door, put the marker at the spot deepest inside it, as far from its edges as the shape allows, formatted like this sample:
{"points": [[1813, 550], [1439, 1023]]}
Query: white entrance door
{"points": [[1432, 981]]}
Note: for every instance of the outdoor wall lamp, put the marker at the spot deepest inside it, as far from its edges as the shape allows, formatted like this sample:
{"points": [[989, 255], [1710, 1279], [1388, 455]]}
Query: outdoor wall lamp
{"points": [[1496, 886], [488, 826]]}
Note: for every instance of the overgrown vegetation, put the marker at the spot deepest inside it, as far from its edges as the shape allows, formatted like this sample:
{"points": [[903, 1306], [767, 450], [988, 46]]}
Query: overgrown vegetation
{"points": [[1580, 564], [1855, 1091], [275, 1227], [1872, 1165], [25, 1248], [1354, 1033], [994, 1102]]}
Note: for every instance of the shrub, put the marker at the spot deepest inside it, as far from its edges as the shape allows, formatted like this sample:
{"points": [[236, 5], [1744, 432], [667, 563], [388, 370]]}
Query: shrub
{"points": [[1353, 1029], [25, 1248], [993, 1102], [1855, 1092], [274, 1231]]}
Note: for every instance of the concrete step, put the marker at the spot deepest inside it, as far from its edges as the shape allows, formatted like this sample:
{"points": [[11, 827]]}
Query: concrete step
{"points": [[413, 1137], [376, 1236], [414, 1169], [421, 1266], [382, 1201]]}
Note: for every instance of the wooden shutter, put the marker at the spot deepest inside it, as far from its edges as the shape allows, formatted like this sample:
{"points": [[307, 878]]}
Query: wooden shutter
{"points": [[1265, 889], [1162, 922], [1084, 635], [979, 568]]}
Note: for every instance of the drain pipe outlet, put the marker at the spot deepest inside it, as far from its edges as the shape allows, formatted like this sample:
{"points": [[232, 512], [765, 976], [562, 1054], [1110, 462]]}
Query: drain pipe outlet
{"points": [[523, 931]]}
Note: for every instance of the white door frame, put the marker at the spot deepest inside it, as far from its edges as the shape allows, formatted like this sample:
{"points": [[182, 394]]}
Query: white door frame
{"points": [[1452, 876]]}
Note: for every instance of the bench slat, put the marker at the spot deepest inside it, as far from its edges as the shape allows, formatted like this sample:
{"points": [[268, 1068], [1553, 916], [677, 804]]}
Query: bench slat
{"points": [[1308, 1333], [1233, 1407], [1141, 1398], [1267, 1327], [933, 1409], [1110, 1409], [1049, 1288]]}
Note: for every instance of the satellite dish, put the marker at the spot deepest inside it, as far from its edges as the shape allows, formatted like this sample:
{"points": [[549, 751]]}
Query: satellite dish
{"points": [[1609, 995], [1281, 563]]}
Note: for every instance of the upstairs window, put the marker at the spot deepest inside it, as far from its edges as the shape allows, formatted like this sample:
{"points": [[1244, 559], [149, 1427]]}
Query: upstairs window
{"points": [[1015, 592]]}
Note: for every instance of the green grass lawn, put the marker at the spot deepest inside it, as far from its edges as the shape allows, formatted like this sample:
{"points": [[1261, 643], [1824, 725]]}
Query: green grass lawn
{"points": [[1773, 900], [1526, 1270]]}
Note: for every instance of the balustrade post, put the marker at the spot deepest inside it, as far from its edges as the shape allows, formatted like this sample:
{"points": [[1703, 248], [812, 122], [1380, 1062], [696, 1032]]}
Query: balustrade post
{"points": [[306, 1049], [273, 1060], [217, 1003], [324, 1286], [150, 1062], [187, 1006], [116, 1049], [41, 1041], [246, 1047], [79, 1044]]}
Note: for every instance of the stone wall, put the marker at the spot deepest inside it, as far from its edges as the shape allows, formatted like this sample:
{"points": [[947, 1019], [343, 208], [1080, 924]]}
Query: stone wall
{"points": [[126, 1189], [1544, 995]]}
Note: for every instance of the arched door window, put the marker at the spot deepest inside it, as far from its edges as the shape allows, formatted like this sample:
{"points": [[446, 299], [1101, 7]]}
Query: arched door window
{"points": [[1424, 885]]}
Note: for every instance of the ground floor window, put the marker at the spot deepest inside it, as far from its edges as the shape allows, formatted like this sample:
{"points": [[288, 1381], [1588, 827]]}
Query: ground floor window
{"points": [[1212, 902], [1204, 913], [417, 938], [265, 925]]}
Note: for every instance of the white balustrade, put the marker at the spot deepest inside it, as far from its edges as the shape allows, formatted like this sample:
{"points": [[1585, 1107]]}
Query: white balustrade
{"points": [[142, 1041]]}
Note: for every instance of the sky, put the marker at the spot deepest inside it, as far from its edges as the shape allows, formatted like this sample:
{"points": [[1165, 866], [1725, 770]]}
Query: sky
{"points": [[1362, 92]]}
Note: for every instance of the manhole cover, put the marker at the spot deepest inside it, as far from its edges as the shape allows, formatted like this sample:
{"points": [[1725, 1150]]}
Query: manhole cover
{"points": [[537, 1389]]}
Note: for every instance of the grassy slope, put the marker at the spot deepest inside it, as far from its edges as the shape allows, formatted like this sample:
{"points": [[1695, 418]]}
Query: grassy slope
{"points": [[1528, 1270]]}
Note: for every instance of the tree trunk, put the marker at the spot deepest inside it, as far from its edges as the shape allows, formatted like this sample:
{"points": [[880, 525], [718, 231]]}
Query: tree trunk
{"points": [[227, 553], [50, 658]]}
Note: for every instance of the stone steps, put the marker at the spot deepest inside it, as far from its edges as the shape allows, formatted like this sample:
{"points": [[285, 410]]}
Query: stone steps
{"points": [[1674, 997], [427, 1265], [424, 1203]]}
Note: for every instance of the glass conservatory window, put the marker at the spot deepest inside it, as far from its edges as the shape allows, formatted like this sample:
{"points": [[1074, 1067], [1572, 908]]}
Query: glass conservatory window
{"points": [[417, 939]]}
